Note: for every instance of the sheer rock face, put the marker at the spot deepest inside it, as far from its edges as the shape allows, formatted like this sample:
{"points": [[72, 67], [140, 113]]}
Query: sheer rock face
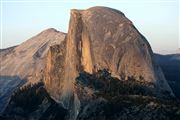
{"points": [[102, 38], [54, 70]]}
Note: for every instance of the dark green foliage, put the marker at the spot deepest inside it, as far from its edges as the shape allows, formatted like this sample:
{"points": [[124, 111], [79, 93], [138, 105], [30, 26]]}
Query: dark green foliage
{"points": [[33, 101], [122, 99], [29, 97], [134, 105], [110, 86], [54, 112]]}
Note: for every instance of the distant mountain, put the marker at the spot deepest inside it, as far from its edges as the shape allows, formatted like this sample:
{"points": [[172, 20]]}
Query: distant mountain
{"points": [[170, 65], [24, 63]]}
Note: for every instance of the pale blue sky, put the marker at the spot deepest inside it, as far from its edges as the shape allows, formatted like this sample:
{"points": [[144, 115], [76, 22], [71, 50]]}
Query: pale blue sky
{"points": [[156, 20]]}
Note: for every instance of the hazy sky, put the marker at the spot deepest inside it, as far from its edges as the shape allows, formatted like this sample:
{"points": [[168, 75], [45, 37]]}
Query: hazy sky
{"points": [[157, 20]]}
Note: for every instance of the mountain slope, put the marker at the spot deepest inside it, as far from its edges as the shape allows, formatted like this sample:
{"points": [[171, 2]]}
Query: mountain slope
{"points": [[170, 65], [24, 63], [28, 58]]}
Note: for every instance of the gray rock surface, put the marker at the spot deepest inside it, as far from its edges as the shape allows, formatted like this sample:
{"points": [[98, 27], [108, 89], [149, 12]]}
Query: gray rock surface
{"points": [[23, 64], [103, 38], [27, 60]]}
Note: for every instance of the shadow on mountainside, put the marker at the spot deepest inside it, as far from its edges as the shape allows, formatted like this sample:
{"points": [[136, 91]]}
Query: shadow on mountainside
{"points": [[170, 65], [8, 84]]}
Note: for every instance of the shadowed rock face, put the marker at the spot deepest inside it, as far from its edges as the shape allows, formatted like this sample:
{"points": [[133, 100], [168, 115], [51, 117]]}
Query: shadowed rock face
{"points": [[101, 38], [8, 84]]}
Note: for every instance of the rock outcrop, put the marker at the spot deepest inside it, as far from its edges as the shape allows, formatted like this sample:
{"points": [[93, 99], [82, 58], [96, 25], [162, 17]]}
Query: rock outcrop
{"points": [[100, 38]]}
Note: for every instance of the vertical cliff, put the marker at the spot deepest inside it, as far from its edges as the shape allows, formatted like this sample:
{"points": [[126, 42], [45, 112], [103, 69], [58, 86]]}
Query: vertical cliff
{"points": [[54, 71], [73, 52], [100, 38]]}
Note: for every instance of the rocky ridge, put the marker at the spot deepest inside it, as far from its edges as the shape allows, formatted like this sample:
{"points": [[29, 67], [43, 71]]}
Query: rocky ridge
{"points": [[24, 64]]}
